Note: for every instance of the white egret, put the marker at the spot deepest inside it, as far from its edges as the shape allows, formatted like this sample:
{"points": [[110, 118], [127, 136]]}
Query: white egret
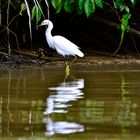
{"points": [[62, 45]]}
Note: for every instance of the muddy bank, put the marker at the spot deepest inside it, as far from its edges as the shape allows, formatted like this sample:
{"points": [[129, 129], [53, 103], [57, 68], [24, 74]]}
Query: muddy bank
{"points": [[107, 63], [110, 62], [95, 63]]}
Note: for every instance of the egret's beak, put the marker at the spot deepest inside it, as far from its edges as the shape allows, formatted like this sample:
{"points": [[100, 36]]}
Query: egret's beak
{"points": [[38, 25], [42, 25]]}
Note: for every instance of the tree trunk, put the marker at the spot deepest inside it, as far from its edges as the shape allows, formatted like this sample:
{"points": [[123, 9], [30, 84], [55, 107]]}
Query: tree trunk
{"points": [[0, 13]]}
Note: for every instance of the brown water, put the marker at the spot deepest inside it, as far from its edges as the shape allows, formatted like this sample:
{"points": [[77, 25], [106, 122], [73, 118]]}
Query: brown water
{"points": [[92, 104]]}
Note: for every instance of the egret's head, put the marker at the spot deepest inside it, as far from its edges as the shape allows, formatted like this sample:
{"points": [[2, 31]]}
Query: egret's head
{"points": [[47, 23]]}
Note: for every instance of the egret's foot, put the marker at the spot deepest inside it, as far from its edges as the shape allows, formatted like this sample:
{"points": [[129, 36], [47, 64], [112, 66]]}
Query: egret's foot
{"points": [[67, 71]]}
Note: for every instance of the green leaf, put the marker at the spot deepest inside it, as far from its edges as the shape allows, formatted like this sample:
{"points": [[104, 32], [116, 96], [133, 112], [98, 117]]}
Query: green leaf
{"points": [[99, 3], [89, 7], [59, 7], [133, 1], [38, 17], [120, 5], [33, 12], [36, 11], [81, 5], [22, 8], [124, 28], [127, 9], [124, 24], [118, 2], [68, 5], [55, 3]]}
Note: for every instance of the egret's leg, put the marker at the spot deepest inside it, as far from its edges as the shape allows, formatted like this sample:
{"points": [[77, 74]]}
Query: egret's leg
{"points": [[65, 62], [67, 69], [73, 60]]}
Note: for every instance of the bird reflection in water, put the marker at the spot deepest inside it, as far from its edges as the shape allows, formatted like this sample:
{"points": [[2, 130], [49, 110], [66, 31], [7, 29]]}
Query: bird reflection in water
{"points": [[58, 102]]}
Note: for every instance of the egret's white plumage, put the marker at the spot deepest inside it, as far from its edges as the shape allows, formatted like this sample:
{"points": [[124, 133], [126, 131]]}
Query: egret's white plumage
{"points": [[62, 45]]}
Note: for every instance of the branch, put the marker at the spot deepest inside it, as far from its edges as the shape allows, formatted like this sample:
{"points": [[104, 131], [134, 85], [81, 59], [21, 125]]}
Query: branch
{"points": [[114, 25]]}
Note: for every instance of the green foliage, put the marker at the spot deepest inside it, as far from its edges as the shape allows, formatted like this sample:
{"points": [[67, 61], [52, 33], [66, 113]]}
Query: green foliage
{"points": [[124, 24], [122, 6], [22, 8], [124, 27], [125, 9], [37, 12], [57, 4], [99, 3], [80, 6], [69, 5], [88, 6]]}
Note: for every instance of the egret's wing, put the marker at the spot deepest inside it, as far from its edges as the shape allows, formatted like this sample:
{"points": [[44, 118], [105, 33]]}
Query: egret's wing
{"points": [[66, 47]]}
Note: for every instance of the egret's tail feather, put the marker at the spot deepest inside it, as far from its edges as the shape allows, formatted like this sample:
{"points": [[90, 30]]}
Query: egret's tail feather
{"points": [[80, 54]]}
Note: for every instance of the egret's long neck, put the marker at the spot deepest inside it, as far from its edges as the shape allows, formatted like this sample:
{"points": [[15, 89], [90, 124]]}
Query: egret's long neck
{"points": [[49, 36]]}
